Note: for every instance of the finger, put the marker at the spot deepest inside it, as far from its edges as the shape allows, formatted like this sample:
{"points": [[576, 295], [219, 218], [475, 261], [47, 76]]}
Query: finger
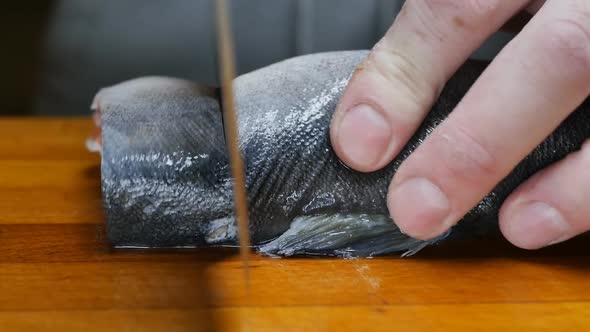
{"points": [[552, 206], [393, 89], [533, 84]]}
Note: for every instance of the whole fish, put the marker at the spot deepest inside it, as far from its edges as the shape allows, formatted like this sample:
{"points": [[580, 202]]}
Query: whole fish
{"points": [[166, 180]]}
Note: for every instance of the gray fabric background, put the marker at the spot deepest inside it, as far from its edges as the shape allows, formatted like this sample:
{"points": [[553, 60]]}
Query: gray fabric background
{"points": [[92, 44]]}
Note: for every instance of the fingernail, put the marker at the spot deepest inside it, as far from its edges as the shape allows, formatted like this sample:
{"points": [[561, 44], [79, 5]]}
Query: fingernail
{"points": [[419, 208], [535, 225], [364, 135]]}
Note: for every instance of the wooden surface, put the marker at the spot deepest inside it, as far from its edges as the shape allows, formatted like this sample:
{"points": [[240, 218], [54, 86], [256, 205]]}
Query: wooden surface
{"points": [[57, 272]]}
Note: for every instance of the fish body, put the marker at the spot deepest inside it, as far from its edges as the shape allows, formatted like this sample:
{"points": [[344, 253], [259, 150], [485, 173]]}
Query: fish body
{"points": [[166, 178]]}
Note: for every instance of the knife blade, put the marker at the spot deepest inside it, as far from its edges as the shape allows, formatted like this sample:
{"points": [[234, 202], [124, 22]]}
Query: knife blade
{"points": [[228, 73]]}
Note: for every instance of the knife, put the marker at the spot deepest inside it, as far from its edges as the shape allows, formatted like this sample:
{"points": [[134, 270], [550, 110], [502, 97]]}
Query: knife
{"points": [[227, 69]]}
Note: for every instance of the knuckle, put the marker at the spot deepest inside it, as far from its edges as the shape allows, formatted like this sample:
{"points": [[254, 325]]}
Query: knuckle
{"points": [[405, 76], [471, 13], [424, 15], [480, 9], [465, 157], [566, 42]]}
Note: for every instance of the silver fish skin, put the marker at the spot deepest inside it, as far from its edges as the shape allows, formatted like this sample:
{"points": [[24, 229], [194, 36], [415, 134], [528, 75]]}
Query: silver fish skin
{"points": [[166, 179]]}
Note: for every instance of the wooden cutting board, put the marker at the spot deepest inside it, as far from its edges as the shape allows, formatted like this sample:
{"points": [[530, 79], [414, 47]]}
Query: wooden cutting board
{"points": [[57, 271]]}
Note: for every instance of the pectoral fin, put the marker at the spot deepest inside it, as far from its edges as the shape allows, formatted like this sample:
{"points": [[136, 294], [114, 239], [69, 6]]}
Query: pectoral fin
{"points": [[343, 235]]}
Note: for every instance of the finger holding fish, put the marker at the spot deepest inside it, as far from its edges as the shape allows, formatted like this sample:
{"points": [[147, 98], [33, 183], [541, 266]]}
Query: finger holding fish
{"points": [[394, 88], [527, 91], [552, 206]]}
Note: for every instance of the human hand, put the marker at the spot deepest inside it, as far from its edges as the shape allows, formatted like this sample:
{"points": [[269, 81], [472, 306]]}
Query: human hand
{"points": [[537, 80]]}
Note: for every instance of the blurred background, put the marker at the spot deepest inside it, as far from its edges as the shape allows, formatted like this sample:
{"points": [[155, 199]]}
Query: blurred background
{"points": [[57, 54]]}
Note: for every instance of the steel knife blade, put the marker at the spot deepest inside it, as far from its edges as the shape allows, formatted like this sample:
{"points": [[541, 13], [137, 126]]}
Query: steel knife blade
{"points": [[225, 45]]}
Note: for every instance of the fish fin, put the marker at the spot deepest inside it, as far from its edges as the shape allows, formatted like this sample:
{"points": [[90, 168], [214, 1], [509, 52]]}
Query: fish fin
{"points": [[343, 235]]}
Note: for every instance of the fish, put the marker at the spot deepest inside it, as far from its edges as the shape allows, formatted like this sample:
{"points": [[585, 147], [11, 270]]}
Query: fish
{"points": [[165, 175]]}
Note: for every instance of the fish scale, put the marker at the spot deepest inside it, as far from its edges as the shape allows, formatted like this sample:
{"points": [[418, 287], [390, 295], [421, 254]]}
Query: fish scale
{"points": [[303, 200]]}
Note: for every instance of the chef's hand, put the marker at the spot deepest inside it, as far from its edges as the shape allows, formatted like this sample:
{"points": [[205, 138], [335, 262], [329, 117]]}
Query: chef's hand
{"points": [[530, 87]]}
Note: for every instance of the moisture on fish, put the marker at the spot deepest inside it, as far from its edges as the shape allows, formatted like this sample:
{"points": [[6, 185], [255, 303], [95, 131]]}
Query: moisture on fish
{"points": [[166, 178]]}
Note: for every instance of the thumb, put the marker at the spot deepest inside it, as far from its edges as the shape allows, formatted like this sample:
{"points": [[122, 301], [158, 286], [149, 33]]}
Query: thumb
{"points": [[393, 89]]}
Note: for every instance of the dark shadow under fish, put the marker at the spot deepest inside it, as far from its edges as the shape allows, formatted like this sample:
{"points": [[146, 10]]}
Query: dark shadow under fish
{"points": [[166, 180]]}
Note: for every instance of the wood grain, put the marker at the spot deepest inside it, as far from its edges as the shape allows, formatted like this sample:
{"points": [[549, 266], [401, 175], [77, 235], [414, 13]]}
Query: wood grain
{"points": [[479, 317], [169, 284], [58, 272], [46, 139]]}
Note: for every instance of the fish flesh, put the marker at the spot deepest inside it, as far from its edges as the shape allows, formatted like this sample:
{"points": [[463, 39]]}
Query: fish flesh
{"points": [[166, 179]]}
